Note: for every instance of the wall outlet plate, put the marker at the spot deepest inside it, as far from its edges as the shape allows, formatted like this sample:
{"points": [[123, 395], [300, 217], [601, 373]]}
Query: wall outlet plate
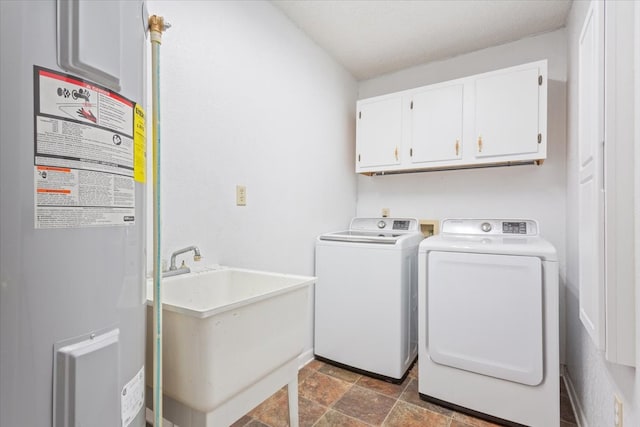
{"points": [[241, 195], [617, 411]]}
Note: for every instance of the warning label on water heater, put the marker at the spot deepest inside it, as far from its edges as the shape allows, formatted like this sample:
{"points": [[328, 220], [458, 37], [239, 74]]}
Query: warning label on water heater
{"points": [[84, 153]]}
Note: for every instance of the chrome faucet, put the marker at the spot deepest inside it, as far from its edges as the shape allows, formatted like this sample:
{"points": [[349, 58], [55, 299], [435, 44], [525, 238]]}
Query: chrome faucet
{"points": [[173, 270]]}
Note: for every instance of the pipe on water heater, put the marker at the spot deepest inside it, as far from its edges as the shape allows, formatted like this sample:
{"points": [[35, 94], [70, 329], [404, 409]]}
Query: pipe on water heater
{"points": [[156, 26]]}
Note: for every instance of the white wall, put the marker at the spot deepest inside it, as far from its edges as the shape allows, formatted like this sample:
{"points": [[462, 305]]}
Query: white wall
{"points": [[248, 99], [594, 379], [536, 192]]}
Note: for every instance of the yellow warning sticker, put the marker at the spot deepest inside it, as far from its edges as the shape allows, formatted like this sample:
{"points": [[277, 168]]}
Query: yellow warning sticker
{"points": [[140, 146]]}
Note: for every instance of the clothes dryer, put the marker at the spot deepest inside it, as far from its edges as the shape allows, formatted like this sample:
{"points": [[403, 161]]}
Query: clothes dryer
{"points": [[488, 321]]}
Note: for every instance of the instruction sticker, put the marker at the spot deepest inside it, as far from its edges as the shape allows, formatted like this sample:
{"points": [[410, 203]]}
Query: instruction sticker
{"points": [[132, 398], [139, 146], [83, 153]]}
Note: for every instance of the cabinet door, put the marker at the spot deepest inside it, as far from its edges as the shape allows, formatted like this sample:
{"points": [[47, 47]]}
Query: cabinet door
{"points": [[378, 133], [506, 113], [436, 124]]}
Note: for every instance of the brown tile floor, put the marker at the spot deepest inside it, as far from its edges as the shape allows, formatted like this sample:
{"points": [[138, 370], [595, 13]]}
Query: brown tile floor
{"points": [[329, 396]]}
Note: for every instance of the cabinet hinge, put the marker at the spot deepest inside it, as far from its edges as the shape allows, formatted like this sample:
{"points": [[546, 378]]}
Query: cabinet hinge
{"points": [[359, 114], [358, 157], [539, 80], [412, 105], [411, 152], [539, 138]]}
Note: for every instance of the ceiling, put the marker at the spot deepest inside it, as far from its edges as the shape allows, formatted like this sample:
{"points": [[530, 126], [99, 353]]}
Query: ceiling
{"points": [[374, 37]]}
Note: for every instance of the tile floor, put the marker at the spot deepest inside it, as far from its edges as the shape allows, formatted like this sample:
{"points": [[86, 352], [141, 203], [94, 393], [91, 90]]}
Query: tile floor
{"points": [[330, 396]]}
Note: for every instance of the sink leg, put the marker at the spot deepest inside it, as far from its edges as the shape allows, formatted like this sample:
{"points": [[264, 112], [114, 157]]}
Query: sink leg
{"points": [[292, 390]]}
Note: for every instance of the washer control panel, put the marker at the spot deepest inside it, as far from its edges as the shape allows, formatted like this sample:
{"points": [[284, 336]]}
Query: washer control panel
{"points": [[377, 224], [515, 227], [401, 224], [521, 227]]}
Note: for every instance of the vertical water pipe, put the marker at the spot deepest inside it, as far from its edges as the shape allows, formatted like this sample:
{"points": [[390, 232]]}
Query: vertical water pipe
{"points": [[156, 27]]}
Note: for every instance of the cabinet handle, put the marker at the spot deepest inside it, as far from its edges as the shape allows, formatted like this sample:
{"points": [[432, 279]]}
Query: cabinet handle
{"points": [[479, 144], [457, 147], [395, 153]]}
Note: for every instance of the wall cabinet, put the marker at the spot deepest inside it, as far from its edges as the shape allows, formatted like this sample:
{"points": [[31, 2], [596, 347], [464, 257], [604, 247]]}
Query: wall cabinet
{"points": [[436, 125], [506, 113], [495, 118], [379, 126]]}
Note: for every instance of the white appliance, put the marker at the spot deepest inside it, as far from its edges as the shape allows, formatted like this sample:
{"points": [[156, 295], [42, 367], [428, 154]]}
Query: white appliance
{"points": [[73, 217], [488, 321], [366, 296]]}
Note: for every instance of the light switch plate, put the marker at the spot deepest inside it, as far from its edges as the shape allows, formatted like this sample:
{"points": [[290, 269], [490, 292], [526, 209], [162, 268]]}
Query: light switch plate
{"points": [[241, 195]]}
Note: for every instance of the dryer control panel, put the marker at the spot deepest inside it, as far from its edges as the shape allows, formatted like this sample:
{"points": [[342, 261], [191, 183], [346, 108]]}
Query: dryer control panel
{"points": [[521, 227]]}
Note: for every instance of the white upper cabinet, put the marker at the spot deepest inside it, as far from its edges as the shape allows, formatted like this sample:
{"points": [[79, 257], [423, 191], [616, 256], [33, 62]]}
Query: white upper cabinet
{"points": [[436, 125], [379, 130], [506, 110], [495, 118]]}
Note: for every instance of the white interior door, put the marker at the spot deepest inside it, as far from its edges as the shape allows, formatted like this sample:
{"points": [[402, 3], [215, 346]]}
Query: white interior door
{"points": [[620, 217], [484, 314], [591, 189]]}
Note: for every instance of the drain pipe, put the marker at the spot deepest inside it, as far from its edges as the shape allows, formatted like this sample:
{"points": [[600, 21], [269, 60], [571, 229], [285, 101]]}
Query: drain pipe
{"points": [[156, 27]]}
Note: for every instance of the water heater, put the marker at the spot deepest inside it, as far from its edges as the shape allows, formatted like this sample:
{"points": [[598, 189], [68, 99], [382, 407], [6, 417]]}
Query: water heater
{"points": [[72, 218]]}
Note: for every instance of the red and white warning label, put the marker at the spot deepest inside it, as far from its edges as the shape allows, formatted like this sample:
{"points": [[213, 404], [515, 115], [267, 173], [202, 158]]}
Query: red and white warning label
{"points": [[84, 153]]}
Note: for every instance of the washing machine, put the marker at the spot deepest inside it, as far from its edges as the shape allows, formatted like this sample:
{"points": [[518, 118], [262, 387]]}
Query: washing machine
{"points": [[366, 297], [488, 321]]}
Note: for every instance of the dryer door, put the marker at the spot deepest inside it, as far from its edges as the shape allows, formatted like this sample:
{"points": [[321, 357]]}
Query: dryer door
{"points": [[485, 314]]}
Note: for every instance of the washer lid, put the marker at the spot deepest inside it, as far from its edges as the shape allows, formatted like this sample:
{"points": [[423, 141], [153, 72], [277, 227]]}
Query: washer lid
{"points": [[363, 237]]}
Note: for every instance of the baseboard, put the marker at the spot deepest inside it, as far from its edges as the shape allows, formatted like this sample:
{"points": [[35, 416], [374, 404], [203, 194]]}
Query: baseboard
{"points": [[581, 418], [305, 358]]}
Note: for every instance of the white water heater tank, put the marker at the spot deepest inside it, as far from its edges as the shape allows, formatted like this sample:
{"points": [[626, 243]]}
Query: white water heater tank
{"points": [[72, 213]]}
